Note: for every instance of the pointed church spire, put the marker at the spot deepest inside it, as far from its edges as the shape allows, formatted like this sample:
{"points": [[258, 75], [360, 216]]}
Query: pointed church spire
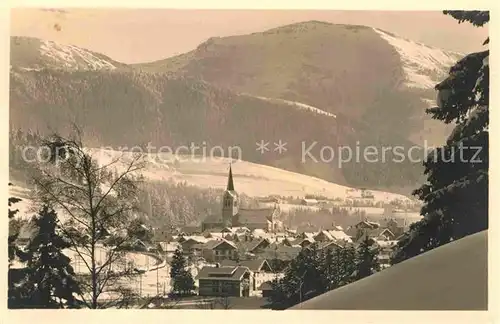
{"points": [[230, 184]]}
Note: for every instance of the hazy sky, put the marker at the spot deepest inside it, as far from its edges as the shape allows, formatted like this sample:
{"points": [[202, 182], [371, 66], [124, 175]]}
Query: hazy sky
{"points": [[133, 35]]}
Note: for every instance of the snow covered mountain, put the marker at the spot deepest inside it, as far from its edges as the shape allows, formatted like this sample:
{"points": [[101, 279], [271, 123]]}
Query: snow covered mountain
{"points": [[312, 81], [424, 66], [35, 54], [356, 71]]}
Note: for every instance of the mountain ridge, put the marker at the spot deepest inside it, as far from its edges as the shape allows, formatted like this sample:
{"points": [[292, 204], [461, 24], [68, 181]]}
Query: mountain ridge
{"points": [[175, 107], [249, 64]]}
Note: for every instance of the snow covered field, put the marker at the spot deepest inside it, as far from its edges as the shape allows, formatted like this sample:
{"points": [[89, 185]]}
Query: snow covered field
{"points": [[138, 260], [249, 178]]}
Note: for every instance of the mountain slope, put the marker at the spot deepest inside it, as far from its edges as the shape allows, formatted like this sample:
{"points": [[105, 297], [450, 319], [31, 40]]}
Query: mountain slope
{"points": [[313, 82], [358, 71], [423, 66], [126, 109]]}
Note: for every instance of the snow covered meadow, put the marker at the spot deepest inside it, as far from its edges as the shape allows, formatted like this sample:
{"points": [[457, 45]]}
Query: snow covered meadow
{"points": [[253, 179]]}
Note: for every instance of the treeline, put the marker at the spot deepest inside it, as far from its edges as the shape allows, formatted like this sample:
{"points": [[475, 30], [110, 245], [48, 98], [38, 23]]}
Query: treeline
{"points": [[323, 217], [165, 203], [175, 204], [170, 203], [315, 271]]}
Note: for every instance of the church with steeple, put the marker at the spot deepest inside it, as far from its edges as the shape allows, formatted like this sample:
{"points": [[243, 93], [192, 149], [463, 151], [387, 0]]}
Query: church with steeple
{"points": [[232, 215]]}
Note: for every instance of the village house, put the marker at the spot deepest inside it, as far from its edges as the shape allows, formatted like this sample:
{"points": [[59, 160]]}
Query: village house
{"points": [[366, 194], [306, 242], [331, 245], [236, 230], [234, 216], [168, 248], [395, 227], [138, 245], [304, 235], [365, 224], [358, 230], [189, 230], [190, 244], [281, 252], [306, 228], [379, 234], [254, 246], [224, 281], [260, 269], [386, 248], [309, 202], [382, 234], [332, 235], [213, 235], [217, 250]]}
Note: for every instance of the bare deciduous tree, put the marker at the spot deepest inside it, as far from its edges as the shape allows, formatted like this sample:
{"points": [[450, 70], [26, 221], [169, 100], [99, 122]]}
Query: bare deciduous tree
{"points": [[96, 204]]}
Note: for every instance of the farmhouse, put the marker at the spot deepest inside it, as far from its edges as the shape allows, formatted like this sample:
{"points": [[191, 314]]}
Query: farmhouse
{"points": [[217, 250], [224, 281], [260, 269], [309, 202]]}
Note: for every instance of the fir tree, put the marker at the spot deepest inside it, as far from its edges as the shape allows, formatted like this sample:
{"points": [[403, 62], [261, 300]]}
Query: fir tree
{"points": [[17, 293], [340, 264], [51, 279], [347, 257], [13, 250], [367, 259], [303, 279], [181, 277], [456, 193]]}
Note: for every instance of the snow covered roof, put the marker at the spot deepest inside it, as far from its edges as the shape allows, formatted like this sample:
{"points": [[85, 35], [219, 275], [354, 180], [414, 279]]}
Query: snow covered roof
{"points": [[259, 232], [335, 235], [233, 273], [386, 244], [196, 238], [235, 230]]}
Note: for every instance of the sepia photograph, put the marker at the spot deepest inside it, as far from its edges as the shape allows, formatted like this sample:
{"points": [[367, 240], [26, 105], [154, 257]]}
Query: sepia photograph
{"points": [[248, 159]]}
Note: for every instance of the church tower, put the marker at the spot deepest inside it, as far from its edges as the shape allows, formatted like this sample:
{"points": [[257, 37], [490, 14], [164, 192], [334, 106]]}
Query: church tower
{"points": [[229, 202]]}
